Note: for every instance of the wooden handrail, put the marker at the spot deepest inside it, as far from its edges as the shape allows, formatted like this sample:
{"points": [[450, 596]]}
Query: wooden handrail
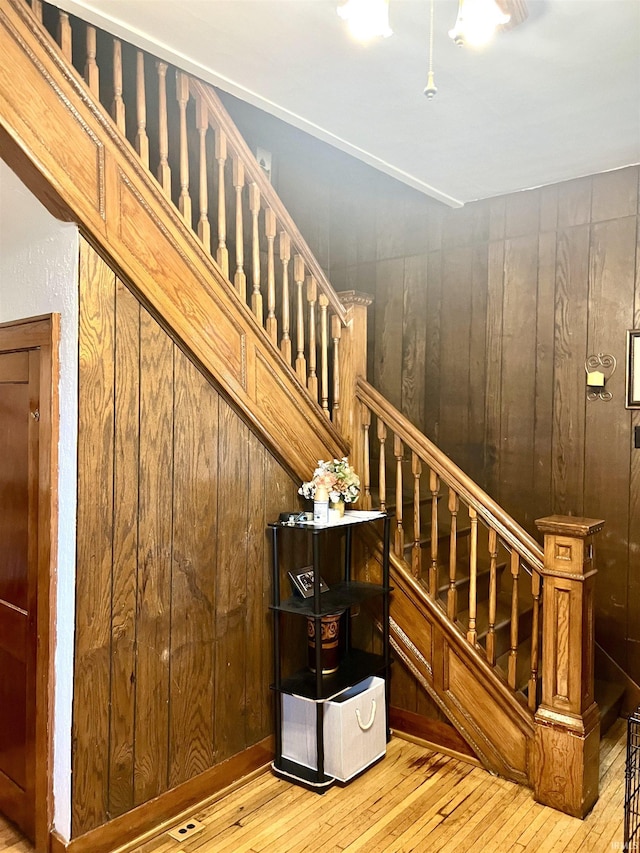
{"points": [[492, 514], [254, 174]]}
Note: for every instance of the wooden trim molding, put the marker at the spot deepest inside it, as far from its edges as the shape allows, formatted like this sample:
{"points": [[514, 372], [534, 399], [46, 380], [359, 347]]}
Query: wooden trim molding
{"points": [[169, 807], [433, 734]]}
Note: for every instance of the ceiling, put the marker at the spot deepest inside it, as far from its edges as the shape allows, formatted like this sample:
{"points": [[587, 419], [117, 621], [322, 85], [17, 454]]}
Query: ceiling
{"points": [[556, 98]]}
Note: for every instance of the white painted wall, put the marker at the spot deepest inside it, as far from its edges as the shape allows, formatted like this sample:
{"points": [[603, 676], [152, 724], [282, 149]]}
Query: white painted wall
{"points": [[39, 275]]}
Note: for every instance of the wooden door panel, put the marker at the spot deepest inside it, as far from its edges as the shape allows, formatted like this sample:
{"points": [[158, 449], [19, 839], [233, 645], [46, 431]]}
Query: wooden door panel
{"points": [[19, 390], [14, 491]]}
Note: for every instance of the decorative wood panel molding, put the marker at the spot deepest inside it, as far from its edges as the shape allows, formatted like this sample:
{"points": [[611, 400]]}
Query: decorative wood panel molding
{"points": [[53, 129]]}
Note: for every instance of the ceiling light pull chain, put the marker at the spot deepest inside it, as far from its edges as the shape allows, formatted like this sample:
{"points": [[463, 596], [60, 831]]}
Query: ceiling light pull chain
{"points": [[430, 89]]}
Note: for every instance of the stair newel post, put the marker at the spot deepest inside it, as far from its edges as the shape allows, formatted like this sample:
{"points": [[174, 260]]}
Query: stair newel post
{"points": [[91, 71], [452, 592], [513, 641], [142, 140], [254, 208], [567, 737], [366, 460], [353, 366], [434, 488], [298, 277], [182, 96], [118, 108], [472, 634], [270, 232], [64, 36], [416, 551], [382, 468], [285, 257], [240, 277], [324, 352], [202, 124], [222, 253], [493, 595], [312, 299], [532, 691], [164, 170], [336, 334], [398, 452]]}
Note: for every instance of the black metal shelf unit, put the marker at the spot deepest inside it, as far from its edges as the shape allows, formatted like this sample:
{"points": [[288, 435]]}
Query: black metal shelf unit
{"points": [[355, 664]]}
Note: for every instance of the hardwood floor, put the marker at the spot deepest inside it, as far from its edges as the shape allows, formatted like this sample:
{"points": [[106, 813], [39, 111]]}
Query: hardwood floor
{"points": [[415, 800]]}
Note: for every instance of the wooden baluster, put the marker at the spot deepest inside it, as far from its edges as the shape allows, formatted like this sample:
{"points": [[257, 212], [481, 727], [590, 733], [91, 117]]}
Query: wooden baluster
{"points": [[324, 353], [142, 140], [117, 108], [513, 650], [285, 257], [493, 595], [452, 593], [416, 551], [240, 278], [182, 96], [336, 333], [164, 170], [36, 8], [382, 471], [91, 71], [398, 452], [64, 35], [298, 277], [202, 123], [535, 641], [222, 253], [254, 207], [312, 297], [434, 487], [472, 634], [366, 473], [270, 231]]}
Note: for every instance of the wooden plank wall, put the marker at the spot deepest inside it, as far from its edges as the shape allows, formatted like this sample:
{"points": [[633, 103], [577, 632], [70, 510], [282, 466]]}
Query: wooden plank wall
{"points": [[173, 641], [483, 319]]}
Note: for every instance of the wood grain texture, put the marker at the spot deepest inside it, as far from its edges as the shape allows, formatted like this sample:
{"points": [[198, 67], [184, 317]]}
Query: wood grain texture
{"points": [[90, 760], [178, 497]]}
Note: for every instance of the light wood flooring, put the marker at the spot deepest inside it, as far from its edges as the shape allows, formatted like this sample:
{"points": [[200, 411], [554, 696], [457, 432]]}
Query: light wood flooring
{"points": [[414, 800]]}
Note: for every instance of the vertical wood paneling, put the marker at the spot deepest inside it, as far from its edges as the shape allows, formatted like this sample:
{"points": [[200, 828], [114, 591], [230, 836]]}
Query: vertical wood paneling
{"points": [[90, 760], [414, 338], [154, 561], [494, 366], [258, 620], [431, 377], [633, 565], [174, 578], [388, 329], [569, 384], [193, 576], [125, 550], [611, 293], [518, 374], [231, 593], [478, 363]]}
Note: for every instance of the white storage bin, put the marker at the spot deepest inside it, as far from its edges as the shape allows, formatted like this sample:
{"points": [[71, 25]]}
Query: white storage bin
{"points": [[354, 724]]}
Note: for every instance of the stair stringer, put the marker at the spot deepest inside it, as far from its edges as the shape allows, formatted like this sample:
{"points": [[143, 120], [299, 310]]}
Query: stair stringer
{"points": [[64, 146], [492, 719]]}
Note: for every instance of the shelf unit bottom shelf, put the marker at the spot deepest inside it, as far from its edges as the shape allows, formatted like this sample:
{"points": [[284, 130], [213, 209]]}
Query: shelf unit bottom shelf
{"points": [[291, 771]]}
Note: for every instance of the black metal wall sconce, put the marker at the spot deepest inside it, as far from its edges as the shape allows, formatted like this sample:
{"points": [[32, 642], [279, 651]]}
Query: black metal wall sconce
{"points": [[599, 369]]}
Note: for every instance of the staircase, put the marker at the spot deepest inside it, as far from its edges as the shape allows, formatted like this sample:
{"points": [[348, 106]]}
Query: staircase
{"points": [[199, 233]]}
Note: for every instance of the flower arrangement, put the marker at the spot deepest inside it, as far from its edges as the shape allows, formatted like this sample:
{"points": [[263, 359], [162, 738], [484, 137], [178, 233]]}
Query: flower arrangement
{"points": [[337, 477]]}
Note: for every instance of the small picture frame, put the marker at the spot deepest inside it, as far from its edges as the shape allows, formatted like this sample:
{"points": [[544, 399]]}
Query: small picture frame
{"points": [[633, 369], [302, 582]]}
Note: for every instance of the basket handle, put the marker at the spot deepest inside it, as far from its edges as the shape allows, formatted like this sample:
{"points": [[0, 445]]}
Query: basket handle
{"points": [[366, 726]]}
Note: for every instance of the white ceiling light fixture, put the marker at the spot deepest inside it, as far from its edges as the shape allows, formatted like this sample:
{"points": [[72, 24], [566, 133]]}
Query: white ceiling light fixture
{"points": [[477, 22], [366, 19]]}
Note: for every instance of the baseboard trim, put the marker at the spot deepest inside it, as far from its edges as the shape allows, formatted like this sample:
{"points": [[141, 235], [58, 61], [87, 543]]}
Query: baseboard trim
{"points": [[149, 819], [432, 734]]}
